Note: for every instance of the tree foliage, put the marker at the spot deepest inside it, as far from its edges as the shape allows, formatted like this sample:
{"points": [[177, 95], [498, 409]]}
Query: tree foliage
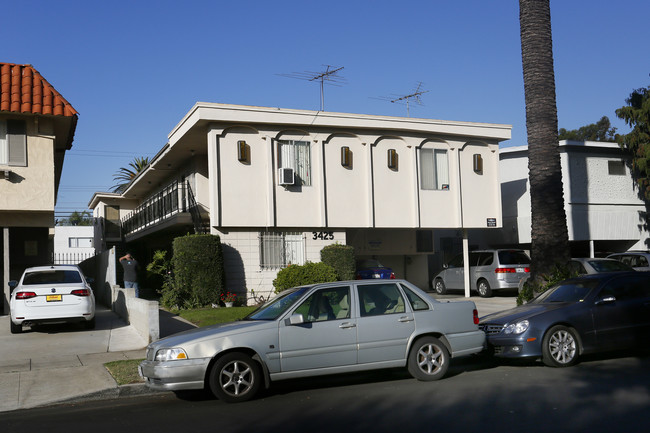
{"points": [[599, 131], [83, 218], [636, 115], [125, 175]]}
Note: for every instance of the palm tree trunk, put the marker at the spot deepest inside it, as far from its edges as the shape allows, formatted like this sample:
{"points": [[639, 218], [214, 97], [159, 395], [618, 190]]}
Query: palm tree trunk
{"points": [[549, 236]]}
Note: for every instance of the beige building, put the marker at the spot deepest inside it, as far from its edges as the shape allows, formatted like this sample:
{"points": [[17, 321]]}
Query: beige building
{"points": [[37, 126], [277, 185]]}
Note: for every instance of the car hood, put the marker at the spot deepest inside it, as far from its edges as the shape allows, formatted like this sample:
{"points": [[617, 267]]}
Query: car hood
{"points": [[521, 312], [213, 331]]}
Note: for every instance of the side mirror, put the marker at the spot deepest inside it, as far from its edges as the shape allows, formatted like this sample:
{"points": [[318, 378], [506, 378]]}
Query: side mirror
{"points": [[296, 319], [445, 266], [12, 285], [607, 300]]}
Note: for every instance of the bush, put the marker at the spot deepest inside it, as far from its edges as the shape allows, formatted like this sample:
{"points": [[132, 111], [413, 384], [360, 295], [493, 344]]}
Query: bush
{"points": [[533, 289], [341, 258], [199, 276], [309, 273]]}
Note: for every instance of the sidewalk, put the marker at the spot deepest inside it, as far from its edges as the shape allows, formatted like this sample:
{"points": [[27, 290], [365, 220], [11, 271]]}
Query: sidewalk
{"points": [[54, 364], [64, 362]]}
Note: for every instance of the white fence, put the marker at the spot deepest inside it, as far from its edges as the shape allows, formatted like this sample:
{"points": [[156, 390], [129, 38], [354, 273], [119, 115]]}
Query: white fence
{"points": [[71, 258]]}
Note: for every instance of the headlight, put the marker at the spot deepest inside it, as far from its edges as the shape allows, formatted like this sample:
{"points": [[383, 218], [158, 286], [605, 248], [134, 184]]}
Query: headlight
{"points": [[170, 354], [516, 328]]}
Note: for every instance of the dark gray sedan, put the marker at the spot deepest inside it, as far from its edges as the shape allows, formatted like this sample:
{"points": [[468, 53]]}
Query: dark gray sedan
{"points": [[319, 329], [593, 313]]}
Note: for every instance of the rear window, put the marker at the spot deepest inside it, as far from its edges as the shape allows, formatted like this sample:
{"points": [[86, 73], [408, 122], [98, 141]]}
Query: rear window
{"points": [[55, 276], [513, 258]]}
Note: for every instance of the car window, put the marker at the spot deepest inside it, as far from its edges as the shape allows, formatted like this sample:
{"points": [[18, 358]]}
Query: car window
{"points": [[567, 291], [609, 266], [576, 267], [641, 262], [513, 258], [326, 304], [456, 262], [53, 276], [627, 288], [278, 305], [486, 259], [626, 259], [379, 299], [417, 303]]}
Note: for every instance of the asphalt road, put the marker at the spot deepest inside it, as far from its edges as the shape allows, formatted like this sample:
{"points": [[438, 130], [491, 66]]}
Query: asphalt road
{"points": [[598, 395]]}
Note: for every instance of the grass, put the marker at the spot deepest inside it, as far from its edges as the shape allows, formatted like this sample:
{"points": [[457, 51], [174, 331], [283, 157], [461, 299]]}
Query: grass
{"points": [[126, 372]]}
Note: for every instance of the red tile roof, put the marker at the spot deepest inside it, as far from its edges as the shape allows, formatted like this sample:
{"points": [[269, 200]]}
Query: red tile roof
{"points": [[24, 90]]}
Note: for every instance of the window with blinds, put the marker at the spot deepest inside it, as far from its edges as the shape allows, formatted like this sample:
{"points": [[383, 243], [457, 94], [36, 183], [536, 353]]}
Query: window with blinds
{"points": [[434, 169], [281, 249], [297, 155], [13, 143]]}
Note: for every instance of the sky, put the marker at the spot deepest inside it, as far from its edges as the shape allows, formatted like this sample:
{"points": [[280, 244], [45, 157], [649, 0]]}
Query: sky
{"points": [[133, 69]]}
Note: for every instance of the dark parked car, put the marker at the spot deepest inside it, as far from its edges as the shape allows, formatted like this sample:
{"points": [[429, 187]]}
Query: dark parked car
{"points": [[582, 266], [370, 268], [592, 313]]}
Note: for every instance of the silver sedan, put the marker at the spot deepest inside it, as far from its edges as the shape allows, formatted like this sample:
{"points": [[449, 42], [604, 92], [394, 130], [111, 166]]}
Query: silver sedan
{"points": [[316, 330]]}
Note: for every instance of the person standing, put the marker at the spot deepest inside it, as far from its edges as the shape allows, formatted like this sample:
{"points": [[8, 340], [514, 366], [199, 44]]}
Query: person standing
{"points": [[131, 267]]}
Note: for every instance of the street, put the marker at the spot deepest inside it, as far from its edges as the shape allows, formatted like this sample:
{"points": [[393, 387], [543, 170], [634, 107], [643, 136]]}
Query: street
{"points": [[598, 395]]}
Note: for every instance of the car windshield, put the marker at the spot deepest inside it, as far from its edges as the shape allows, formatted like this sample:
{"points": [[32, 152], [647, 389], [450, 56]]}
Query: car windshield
{"points": [[513, 258], [53, 276], [278, 305], [369, 264], [609, 266], [567, 291]]}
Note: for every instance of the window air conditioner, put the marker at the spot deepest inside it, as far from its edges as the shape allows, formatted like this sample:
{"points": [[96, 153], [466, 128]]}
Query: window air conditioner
{"points": [[286, 176]]}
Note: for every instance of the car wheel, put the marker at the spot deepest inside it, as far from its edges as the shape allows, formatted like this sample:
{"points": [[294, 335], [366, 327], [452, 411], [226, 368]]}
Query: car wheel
{"points": [[235, 377], [484, 289], [560, 347], [439, 286], [15, 329], [428, 359]]}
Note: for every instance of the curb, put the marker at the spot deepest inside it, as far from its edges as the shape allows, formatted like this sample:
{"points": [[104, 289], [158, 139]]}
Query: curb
{"points": [[129, 390]]}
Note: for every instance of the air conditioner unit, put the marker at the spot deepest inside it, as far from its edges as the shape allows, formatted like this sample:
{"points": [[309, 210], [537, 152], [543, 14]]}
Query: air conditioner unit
{"points": [[6, 174], [286, 176]]}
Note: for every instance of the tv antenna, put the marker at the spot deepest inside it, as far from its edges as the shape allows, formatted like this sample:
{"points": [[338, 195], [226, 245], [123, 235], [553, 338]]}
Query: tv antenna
{"points": [[329, 76], [406, 99]]}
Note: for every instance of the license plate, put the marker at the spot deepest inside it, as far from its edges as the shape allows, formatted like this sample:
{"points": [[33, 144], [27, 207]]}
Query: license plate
{"points": [[376, 276], [520, 270], [53, 298]]}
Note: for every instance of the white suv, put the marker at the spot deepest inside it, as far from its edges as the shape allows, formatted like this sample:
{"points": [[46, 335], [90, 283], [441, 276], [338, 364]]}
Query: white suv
{"points": [[51, 294], [639, 260], [489, 270]]}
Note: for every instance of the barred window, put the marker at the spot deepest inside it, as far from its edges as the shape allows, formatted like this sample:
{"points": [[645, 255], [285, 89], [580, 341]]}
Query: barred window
{"points": [[281, 249]]}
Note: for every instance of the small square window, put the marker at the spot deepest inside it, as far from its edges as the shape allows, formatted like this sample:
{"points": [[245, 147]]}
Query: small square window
{"points": [[616, 168]]}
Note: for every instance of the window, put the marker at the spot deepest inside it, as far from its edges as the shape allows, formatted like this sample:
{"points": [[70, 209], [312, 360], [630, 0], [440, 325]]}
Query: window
{"points": [[616, 168], [380, 299], [296, 155], [434, 169], [80, 242], [281, 249], [13, 143], [326, 304], [417, 303]]}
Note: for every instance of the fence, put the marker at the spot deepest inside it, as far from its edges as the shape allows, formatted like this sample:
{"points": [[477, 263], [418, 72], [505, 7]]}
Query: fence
{"points": [[71, 258]]}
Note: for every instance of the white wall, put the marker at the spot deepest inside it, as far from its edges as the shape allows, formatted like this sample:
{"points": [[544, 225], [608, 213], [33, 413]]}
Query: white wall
{"points": [[62, 235]]}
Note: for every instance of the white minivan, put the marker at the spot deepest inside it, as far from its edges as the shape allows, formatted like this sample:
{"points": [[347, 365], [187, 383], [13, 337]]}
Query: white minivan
{"points": [[489, 270]]}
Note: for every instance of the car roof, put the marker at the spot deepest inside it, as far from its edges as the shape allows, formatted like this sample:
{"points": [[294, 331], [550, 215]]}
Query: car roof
{"points": [[53, 267], [607, 275]]}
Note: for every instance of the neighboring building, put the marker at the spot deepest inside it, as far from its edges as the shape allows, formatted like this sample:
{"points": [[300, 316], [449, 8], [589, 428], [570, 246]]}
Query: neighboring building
{"points": [[73, 244], [603, 208], [278, 185], [37, 126]]}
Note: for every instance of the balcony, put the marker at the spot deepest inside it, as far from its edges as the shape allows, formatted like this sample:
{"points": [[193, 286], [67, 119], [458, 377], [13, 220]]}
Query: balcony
{"points": [[173, 201]]}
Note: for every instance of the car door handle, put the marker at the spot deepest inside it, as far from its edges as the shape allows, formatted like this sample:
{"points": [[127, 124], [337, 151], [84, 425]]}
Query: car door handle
{"points": [[346, 325], [405, 319]]}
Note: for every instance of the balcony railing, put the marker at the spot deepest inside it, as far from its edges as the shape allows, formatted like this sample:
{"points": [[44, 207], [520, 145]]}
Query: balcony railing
{"points": [[169, 201]]}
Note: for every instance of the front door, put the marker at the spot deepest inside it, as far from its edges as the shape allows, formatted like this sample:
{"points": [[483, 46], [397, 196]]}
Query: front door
{"points": [[328, 336]]}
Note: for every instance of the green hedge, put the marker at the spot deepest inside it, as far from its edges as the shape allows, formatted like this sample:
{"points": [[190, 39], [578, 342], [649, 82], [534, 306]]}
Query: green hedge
{"points": [[199, 275], [299, 275], [341, 258]]}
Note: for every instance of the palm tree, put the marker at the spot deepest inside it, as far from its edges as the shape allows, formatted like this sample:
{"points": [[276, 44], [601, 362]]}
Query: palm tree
{"points": [[125, 175], [549, 236]]}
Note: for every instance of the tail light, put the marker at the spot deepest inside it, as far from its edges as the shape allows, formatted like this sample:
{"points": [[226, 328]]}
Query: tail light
{"points": [[392, 275], [25, 295], [81, 292], [505, 270], [526, 269], [475, 316]]}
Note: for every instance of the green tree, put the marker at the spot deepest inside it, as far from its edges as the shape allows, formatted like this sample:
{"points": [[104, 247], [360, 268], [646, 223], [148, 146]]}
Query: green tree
{"points": [[636, 115], [549, 235], [125, 175], [83, 218], [599, 131]]}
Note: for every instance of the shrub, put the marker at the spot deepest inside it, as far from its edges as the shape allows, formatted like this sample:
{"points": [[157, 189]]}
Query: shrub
{"points": [[161, 267], [299, 275], [198, 268], [341, 258], [531, 288]]}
